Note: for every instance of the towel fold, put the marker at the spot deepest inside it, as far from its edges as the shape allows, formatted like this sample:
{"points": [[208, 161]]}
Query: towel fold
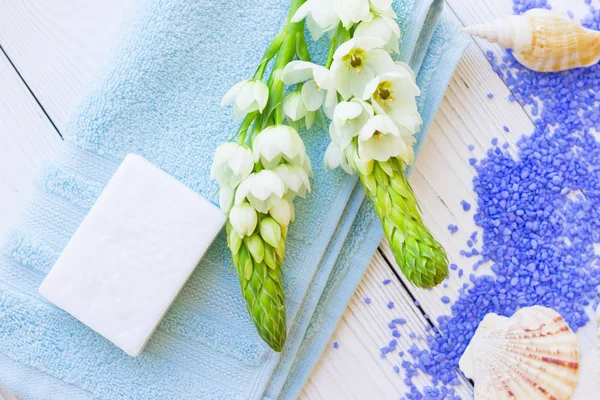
{"points": [[158, 96]]}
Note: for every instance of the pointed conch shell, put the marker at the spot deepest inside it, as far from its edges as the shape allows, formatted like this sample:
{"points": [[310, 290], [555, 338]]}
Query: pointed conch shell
{"points": [[543, 40], [531, 356]]}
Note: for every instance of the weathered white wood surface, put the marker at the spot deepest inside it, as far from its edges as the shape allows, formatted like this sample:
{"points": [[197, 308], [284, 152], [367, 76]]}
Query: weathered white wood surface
{"points": [[57, 45]]}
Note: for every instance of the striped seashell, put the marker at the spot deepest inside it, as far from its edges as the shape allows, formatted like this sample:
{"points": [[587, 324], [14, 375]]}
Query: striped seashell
{"points": [[533, 355], [543, 40]]}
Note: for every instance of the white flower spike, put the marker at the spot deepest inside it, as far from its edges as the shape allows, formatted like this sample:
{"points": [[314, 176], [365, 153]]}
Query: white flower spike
{"points": [[394, 94], [382, 27], [232, 163], [263, 190], [243, 218], [247, 96], [320, 16], [357, 62], [380, 140], [279, 142]]}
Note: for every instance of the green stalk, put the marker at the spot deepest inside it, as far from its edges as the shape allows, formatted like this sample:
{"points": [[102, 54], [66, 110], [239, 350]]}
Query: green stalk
{"points": [[258, 258], [421, 258], [258, 264]]}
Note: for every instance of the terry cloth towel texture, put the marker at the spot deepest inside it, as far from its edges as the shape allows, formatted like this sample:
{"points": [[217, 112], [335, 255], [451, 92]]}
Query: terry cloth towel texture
{"points": [[158, 95]]}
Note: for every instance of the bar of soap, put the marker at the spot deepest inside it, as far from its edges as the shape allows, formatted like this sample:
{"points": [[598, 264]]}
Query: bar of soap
{"points": [[132, 253]]}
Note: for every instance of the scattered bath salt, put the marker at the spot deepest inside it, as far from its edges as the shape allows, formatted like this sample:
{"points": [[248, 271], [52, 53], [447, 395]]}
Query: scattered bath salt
{"points": [[453, 266], [570, 13], [471, 147], [395, 333], [460, 273], [336, 345], [506, 129], [536, 235], [390, 305], [367, 300], [495, 141], [465, 205], [472, 161], [396, 369], [490, 95], [412, 335], [387, 281], [452, 228], [505, 146], [399, 321], [445, 299], [417, 303]]}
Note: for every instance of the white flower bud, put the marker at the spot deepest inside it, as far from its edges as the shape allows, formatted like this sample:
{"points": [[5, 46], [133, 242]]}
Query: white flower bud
{"points": [[243, 219]]}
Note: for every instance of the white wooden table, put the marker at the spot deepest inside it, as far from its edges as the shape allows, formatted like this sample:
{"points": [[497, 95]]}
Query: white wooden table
{"points": [[50, 51]]}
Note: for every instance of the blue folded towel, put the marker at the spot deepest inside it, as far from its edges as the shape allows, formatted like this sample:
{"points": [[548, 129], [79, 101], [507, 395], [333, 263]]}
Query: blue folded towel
{"points": [[158, 95]]}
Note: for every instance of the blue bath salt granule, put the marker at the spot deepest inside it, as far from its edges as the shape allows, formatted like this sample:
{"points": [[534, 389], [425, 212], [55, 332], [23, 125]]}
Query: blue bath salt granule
{"points": [[399, 321], [445, 299], [465, 205], [471, 147], [505, 146], [417, 303], [490, 95], [367, 300], [396, 369], [460, 273], [452, 228], [536, 237], [453, 266], [495, 142], [390, 305], [336, 345], [472, 161], [506, 129], [395, 333], [387, 281]]}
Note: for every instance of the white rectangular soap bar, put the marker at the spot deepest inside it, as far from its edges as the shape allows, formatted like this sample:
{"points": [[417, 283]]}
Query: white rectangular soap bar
{"points": [[132, 253]]}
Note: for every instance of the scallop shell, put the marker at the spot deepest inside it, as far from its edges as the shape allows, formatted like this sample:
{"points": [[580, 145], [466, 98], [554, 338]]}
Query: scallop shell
{"points": [[543, 40], [532, 355]]}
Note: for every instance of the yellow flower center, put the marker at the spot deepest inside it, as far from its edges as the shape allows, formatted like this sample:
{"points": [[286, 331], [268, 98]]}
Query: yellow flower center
{"points": [[354, 59], [378, 136], [384, 92]]}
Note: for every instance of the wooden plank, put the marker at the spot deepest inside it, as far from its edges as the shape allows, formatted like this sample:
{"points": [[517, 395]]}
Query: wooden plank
{"points": [[355, 370], [27, 140], [57, 46]]}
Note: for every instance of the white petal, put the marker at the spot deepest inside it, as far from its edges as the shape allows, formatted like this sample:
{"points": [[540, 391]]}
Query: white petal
{"points": [[225, 198], [302, 12], [243, 189], [343, 80], [369, 43], [381, 5], [312, 97], [323, 77], [359, 80], [379, 61], [261, 94], [293, 106], [344, 49], [297, 71], [346, 110], [282, 212], [370, 88], [333, 157], [232, 93]]}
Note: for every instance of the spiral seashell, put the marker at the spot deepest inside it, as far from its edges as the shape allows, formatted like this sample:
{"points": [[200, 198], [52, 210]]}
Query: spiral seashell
{"points": [[531, 356], [543, 40]]}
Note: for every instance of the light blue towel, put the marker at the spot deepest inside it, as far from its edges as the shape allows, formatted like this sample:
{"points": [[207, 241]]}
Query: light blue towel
{"points": [[158, 95]]}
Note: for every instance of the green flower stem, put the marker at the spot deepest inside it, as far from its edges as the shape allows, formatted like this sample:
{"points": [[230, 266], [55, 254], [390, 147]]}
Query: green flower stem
{"points": [[246, 123], [339, 37], [258, 259], [420, 257]]}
